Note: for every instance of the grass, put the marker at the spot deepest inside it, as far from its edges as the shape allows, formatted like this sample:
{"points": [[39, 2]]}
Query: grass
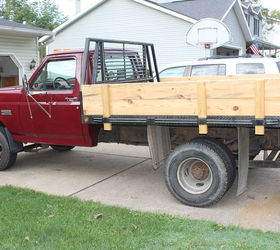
{"points": [[32, 220]]}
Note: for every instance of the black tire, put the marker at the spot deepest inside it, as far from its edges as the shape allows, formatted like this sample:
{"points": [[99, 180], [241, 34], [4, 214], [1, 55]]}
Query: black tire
{"points": [[225, 153], [7, 158], [62, 148], [179, 180], [13, 158]]}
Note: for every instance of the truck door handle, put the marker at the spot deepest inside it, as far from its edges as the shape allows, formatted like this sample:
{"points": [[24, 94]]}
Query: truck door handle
{"points": [[38, 93], [71, 99]]}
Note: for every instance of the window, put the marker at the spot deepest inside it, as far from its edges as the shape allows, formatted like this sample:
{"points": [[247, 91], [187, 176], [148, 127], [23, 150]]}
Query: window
{"points": [[249, 68], [208, 70], [121, 67], [118, 68], [56, 75], [172, 72], [256, 27], [248, 18]]}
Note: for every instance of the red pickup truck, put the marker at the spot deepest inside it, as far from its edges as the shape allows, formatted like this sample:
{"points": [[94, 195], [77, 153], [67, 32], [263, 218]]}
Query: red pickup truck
{"points": [[51, 110]]}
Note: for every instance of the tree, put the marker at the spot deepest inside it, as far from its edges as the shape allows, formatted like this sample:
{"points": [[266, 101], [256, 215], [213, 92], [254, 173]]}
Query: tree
{"points": [[40, 13]]}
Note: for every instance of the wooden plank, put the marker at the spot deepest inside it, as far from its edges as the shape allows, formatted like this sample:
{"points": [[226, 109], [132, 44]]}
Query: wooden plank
{"points": [[92, 97], [260, 105], [227, 97], [149, 99], [202, 106], [106, 105]]}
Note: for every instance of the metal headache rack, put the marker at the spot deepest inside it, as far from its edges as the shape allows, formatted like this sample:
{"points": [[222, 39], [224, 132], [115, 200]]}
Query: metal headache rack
{"points": [[115, 61]]}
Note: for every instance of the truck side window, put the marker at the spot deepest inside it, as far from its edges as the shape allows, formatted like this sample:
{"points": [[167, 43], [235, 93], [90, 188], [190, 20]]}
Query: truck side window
{"points": [[173, 72], [209, 70], [56, 75], [249, 68]]}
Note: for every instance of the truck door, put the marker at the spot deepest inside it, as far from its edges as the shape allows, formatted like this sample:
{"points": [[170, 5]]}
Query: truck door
{"points": [[54, 100]]}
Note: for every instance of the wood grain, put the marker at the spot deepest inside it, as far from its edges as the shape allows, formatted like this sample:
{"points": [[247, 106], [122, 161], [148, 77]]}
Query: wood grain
{"points": [[106, 103], [202, 106], [260, 105], [256, 95]]}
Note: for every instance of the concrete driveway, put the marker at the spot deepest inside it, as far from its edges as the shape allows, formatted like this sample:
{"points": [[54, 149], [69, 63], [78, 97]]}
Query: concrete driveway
{"points": [[122, 175]]}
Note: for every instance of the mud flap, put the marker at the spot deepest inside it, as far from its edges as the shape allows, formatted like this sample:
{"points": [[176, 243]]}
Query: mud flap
{"points": [[159, 144], [243, 159]]}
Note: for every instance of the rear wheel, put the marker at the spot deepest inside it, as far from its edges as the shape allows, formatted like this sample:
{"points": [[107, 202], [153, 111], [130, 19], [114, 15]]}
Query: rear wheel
{"points": [[61, 148], [196, 174], [224, 152], [7, 158]]}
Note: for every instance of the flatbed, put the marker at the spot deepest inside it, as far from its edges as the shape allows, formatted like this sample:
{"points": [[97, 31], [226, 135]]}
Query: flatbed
{"points": [[225, 101]]}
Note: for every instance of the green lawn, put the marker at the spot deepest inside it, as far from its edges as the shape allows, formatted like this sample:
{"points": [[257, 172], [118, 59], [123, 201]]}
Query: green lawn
{"points": [[32, 220]]}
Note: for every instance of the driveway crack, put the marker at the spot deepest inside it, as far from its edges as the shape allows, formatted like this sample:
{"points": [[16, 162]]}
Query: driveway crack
{"points": [[96, 183]]}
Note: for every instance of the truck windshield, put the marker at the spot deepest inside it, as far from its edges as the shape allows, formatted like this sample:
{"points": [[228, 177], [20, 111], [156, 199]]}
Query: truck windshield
{"points": [[56, 75]]}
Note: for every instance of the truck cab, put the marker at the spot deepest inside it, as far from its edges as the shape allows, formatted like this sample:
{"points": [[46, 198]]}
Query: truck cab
{"points": [[46, 109]]}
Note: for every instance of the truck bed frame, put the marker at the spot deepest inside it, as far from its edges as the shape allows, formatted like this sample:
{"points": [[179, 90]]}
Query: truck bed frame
{"points": [[249, 103]]}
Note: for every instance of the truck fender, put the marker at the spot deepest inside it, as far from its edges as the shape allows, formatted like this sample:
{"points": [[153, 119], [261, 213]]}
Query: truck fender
{"points": [[14, 145]]}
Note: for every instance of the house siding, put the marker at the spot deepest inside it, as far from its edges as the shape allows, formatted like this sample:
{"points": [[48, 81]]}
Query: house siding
{"points": [[25, 49], [237, 37], [128, 20]]}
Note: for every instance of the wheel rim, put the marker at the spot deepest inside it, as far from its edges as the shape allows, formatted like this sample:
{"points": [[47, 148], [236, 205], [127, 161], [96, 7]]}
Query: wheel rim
{"points": [[194, 176]]}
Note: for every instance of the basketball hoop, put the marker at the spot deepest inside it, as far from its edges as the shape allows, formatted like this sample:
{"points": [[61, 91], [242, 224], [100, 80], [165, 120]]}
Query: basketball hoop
{"points": [[208, 33]]}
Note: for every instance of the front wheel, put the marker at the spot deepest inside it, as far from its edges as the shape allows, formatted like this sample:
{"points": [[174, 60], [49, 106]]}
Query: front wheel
{"points": [[62, 148], [196, 174], [7, 158]]}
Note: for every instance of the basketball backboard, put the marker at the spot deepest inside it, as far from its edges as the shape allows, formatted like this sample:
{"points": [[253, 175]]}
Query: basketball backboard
{"points": [[208, 33]]}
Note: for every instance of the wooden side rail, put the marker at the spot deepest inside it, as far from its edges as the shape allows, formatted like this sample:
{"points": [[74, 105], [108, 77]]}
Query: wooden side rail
{"points": [[256, 97]]}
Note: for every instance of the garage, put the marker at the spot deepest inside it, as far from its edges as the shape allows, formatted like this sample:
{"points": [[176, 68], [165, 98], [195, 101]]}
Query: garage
{"points": [[11, 70], [19, 53]]}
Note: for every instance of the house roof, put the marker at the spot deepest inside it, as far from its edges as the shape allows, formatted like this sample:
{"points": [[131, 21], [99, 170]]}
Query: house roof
{"points": [[267, 45], [246, 4], [199, 9], [10, 26], [188, 10], [252, 8]]}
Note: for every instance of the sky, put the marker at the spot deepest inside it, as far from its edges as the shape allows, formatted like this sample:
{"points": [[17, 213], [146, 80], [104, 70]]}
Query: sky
{"points": [[271, 4], [68, 6]]}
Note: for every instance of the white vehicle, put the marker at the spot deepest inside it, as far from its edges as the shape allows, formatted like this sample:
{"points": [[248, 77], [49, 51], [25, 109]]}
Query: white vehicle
{"points": [[223, 66]]}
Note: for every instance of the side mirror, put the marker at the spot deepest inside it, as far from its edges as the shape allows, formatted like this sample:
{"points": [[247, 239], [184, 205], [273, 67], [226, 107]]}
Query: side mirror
{"points": [[25, 83]]}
